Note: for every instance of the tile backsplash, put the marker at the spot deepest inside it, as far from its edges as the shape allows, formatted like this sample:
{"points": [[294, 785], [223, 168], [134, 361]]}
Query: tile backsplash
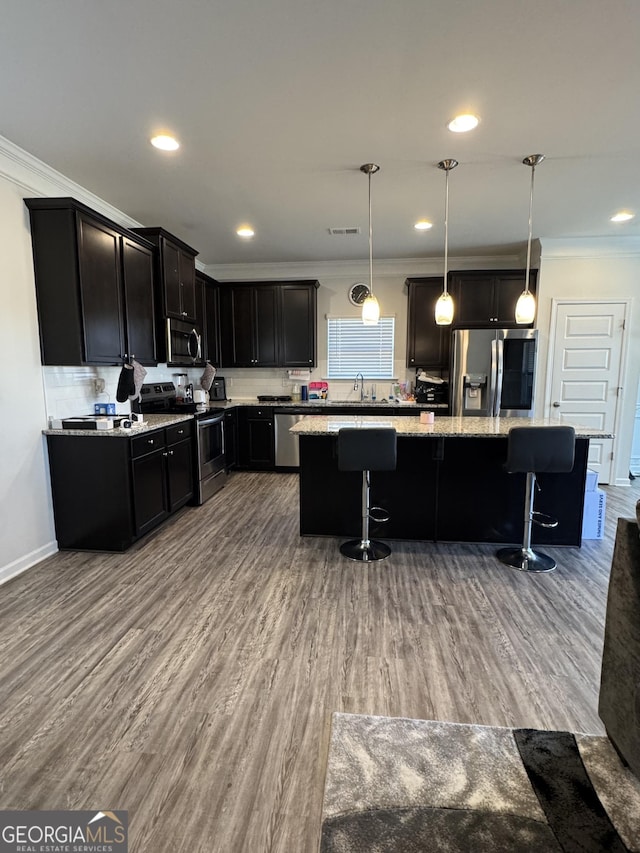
{"points": [[71, 391]]}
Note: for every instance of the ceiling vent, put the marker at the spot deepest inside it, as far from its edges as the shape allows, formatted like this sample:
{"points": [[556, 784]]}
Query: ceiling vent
{"points": [[345, 231]]}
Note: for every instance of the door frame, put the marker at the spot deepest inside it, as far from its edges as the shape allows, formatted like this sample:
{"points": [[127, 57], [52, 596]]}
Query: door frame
{"points": [[553, 320]]}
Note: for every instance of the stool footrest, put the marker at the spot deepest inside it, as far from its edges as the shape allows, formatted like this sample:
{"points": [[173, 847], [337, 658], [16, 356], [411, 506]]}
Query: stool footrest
{"points": [[378, 514], [543, 520]]}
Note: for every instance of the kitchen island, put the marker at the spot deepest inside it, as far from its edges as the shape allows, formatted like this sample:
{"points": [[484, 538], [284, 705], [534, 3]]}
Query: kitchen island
{"points": [[450, 483]]}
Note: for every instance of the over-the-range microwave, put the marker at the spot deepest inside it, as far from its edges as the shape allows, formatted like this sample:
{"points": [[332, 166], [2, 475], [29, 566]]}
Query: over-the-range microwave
{"points": [[184, 343]]}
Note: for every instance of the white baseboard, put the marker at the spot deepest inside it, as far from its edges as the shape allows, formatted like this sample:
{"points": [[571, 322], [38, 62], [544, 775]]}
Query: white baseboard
{"points": [[621, 481], [27, 561]]}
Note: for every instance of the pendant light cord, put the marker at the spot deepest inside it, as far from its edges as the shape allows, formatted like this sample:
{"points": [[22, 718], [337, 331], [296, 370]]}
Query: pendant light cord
{"points": [[532, 161], [370, 243], [528, 271], [446, 229]]}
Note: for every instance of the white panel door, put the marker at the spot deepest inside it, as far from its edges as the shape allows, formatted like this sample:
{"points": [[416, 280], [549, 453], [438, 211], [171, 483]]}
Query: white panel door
{"points": [[586, 372]]}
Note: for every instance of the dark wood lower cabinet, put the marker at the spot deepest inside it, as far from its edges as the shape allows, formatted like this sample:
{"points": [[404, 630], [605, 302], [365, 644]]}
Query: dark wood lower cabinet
{"points": [[256, 438], [150, 502], [108, 491], [179, 474], [231, 438], [443, 489]]}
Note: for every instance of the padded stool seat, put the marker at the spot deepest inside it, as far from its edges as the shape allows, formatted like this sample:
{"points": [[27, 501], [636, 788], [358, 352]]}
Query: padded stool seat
{"points": [[536, 450], [367, 450]]}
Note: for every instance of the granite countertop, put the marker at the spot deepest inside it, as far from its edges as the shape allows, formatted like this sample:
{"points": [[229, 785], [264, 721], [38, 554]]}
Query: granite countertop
{"points": [[302, 404], [150, 422], [442, 427]]}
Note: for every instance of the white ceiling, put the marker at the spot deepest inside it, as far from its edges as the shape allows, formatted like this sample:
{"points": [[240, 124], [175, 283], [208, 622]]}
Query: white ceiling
{"points": [[278, 102]]}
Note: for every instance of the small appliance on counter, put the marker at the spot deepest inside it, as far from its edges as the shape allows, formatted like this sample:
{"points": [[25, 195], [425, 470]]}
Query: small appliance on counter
{"points": [[101, 422], [431, 389], [184, 388], [218, 392]]}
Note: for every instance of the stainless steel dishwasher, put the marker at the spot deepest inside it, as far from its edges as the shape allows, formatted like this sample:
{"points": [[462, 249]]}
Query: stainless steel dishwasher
{"points": [[287, 451]]}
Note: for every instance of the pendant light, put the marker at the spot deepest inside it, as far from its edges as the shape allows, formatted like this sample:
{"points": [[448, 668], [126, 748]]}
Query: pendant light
{"points": [[444, 305], [526, 304], [370, 306]]}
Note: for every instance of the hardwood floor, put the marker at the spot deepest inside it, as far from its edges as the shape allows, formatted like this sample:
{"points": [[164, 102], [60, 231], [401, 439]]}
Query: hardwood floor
{"points": [[192, 679]]}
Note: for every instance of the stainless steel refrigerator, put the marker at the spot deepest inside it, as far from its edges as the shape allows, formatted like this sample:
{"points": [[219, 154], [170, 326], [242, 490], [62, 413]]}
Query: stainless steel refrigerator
{"points": [[493, 372]]}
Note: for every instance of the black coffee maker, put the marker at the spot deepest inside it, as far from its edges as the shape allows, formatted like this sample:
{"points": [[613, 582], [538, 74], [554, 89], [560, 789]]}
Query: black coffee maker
{"points": [[430, 389]]}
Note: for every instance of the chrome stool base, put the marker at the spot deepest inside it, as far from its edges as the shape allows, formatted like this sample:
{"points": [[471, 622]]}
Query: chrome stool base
{"points": [[526, 560], [365, 551]]}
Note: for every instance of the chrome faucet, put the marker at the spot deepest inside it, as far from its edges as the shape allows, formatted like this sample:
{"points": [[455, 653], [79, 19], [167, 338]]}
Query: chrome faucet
{"points": [[355, 385]]}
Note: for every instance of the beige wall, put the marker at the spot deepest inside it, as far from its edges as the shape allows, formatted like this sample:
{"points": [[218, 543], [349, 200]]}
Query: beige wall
{"points": [[26, 523], [596, 269]]}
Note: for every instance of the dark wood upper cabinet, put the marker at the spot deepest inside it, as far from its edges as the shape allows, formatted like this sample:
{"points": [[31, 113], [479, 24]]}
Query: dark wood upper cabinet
{"points": [[100, 290], [298, 324], [488, 297], [248, 325], [427, 343], [176, 273], [94, 286], [268, 324], [208, 315], [137, 266], [265, 319]]}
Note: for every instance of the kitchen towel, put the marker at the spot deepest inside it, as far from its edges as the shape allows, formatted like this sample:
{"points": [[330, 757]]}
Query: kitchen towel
{"points": [[206, 380], [126, 384], [138, 378]]}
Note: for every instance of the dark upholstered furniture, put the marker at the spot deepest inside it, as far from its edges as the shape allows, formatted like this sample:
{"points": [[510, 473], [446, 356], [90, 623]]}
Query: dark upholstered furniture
{"points": [[366, 450], [531, 451], [619, 705]]}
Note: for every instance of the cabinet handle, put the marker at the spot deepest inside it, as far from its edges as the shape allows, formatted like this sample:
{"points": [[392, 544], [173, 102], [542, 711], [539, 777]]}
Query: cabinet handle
{"points": [[171, 453], [165, 454], [184, 313], [150, 441], [180, 432]]}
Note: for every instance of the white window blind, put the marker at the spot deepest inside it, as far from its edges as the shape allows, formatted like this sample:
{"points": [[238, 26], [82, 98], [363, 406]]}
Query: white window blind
{"points": [[355, 348]]}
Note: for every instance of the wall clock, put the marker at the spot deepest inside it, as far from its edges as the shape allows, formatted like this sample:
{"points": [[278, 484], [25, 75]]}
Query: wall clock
{"points": [[358, 292]]}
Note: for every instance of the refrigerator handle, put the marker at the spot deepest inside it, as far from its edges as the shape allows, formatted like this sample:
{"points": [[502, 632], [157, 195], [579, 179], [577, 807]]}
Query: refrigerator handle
{"points": [[499, 375], [492, 390]]}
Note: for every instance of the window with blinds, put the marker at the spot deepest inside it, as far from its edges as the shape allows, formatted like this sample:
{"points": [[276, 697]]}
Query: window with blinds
{"points": [[355, 348]]}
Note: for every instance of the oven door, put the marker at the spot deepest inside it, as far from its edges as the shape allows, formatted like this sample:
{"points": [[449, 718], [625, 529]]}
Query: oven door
{"points": [[211, 455]]}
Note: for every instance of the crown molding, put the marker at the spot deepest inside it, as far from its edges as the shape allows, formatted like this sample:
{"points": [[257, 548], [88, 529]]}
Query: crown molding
{"points": [[37, 178], [589, 248], [390, 267]]}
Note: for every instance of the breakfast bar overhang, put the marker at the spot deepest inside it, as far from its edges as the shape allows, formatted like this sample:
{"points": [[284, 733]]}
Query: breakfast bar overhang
{"points": [[450, 483]]}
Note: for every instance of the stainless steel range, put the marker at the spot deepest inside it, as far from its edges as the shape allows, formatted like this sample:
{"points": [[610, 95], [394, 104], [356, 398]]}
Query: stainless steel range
{"points": [[209, 460]]}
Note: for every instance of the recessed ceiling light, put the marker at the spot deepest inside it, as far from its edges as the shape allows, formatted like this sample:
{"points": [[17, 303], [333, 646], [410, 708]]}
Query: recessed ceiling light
{"points": [[165, 143], [245, 231], [423, 225], [622, 216], [463, 123]]}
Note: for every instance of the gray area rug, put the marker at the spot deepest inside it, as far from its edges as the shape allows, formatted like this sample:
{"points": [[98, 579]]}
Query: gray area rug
{"points": [[397, 785]]}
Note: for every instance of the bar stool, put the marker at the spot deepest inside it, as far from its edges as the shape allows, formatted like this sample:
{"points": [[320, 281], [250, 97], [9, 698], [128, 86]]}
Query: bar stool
{"points": [[367, 450], [536, 450]]}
